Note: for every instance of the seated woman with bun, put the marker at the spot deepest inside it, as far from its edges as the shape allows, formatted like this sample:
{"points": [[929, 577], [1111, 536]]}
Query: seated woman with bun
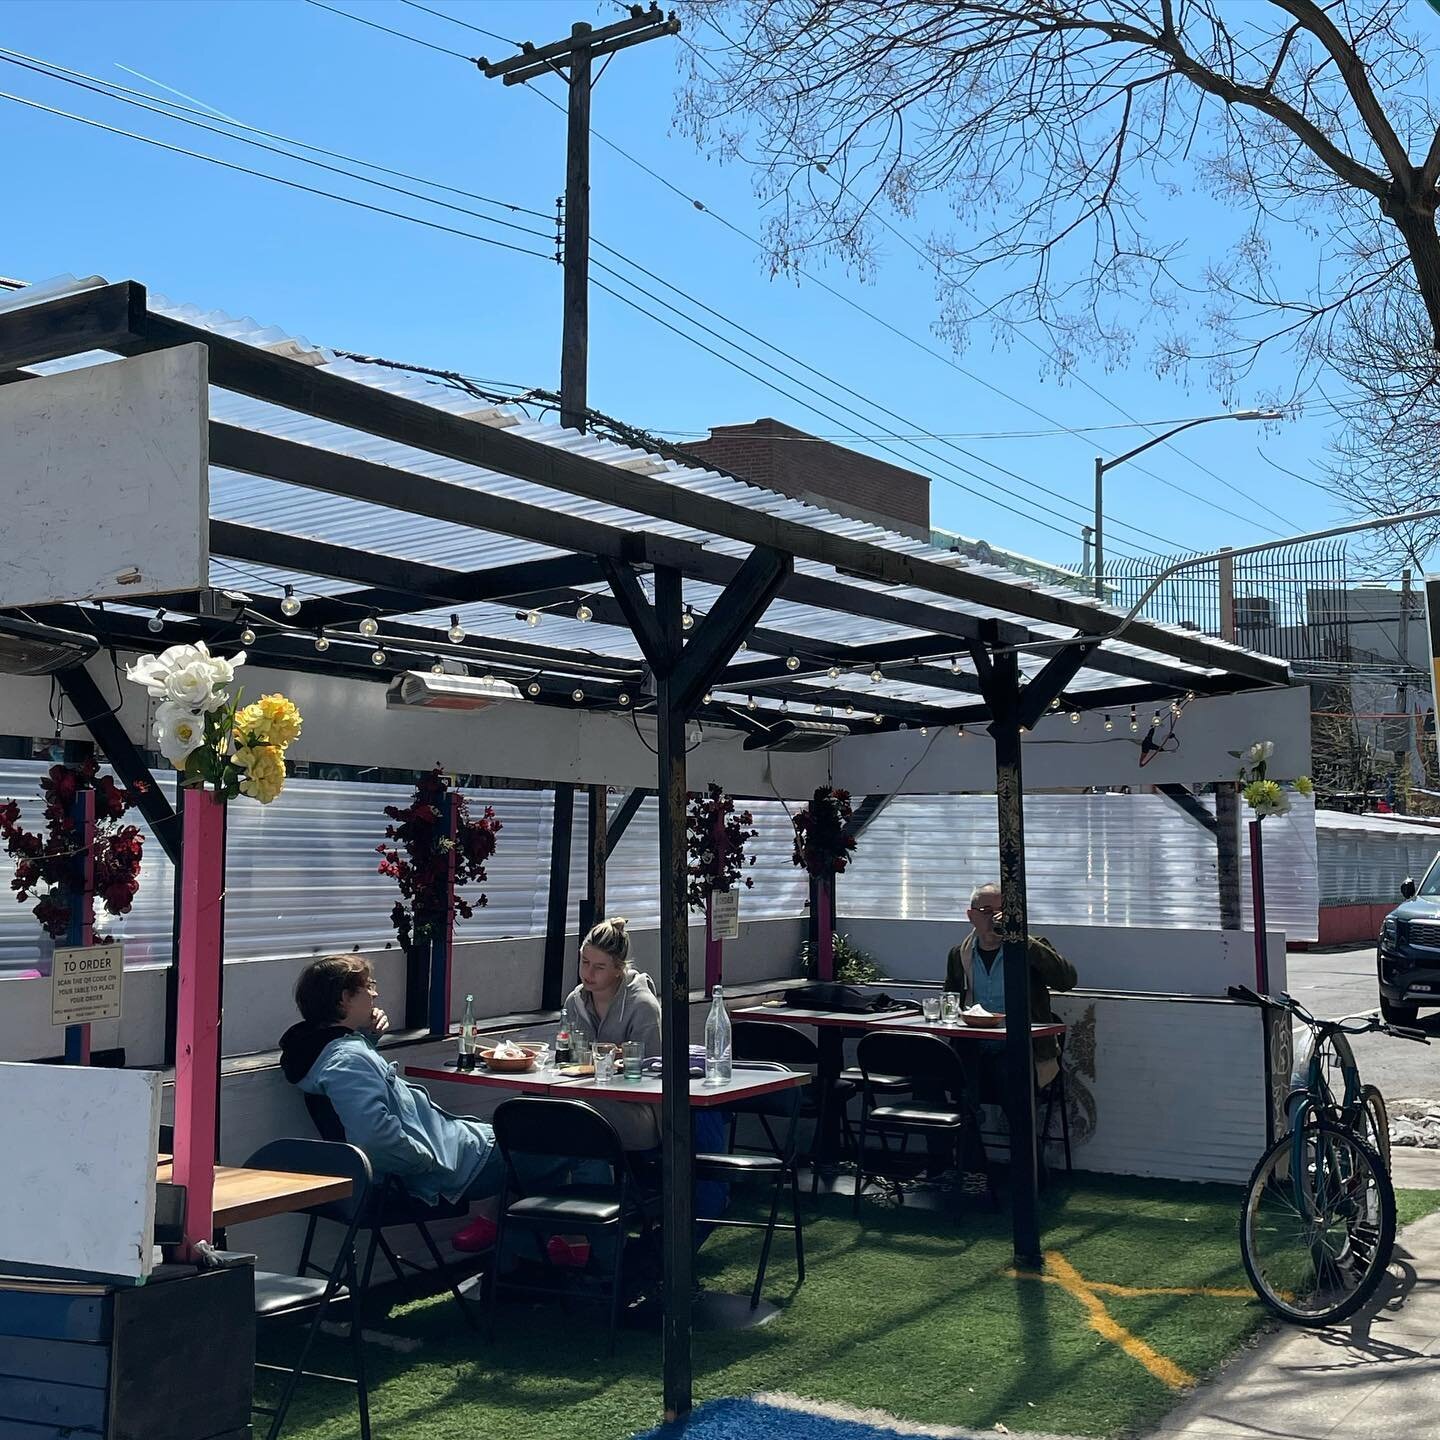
{"points": [[614, 1003]]}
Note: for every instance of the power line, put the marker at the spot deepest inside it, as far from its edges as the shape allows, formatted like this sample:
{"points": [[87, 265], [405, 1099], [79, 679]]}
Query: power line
{"points": [[79, 79], [399, 34], [455, 20], [265, 175], [154, 106]]}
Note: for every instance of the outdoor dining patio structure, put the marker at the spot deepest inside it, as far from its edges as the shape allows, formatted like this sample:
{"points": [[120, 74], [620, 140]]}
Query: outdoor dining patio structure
{"points": [[512, 599]]}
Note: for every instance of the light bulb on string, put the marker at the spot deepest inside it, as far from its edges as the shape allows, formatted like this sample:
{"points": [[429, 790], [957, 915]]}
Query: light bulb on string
{"points": [[1155, 721], [687, 619], [833, 672], [960, 731], [743, 647], [532, 618], [792, 662], [322, 641], [849, 709], [577, 695], [456, 632], [583, 612], [289, 606], [533, 689], [784, 707], [924, 729], [1074, 717], [624, 698], [377, 657], [1109, 723], [875, 719], [1134, 719], [438, 668], [709, 698], [875, 676], [156, 623], [247, 636], [369, 627], [954, 664], [750, 703]]}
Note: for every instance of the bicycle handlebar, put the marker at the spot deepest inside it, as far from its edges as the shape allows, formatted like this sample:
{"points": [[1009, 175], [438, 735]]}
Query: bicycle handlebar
{"points": [[1363, 1026], [1406, 1033]]}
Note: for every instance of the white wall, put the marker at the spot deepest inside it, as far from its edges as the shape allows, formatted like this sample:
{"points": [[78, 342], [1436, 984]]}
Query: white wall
{"points": [[1060, 756], [1180, 962]]}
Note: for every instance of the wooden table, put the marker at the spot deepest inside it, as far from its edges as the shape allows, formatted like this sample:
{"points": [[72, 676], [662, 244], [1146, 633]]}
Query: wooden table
{"points": [[742, 1085], [242, 1194]]}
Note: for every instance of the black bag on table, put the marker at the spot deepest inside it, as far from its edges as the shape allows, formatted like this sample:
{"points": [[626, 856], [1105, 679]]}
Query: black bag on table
{"points": [[846, 999]]}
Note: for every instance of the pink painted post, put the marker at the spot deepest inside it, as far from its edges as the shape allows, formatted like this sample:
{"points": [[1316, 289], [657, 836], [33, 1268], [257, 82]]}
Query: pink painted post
{"points": [[82, 910], [197, 1041], [825, 920], [714, 949]]}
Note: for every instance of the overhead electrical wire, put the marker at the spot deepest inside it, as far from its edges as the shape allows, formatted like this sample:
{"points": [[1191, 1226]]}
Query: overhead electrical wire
{"points": [[276, 179], [1030, 340], [1013, 327], [104, 89]]}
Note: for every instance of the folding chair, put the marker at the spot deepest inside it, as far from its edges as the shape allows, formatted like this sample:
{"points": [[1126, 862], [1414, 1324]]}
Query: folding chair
{"points": [[546, 1136], [790, 1046], [390, 1205], [777, 1170], [296, 1295], [932, 1071]]}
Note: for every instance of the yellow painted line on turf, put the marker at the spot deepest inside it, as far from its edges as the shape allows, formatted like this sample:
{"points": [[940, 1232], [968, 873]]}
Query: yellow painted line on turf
{"points": [[1103, 1287], [1062, 1273]]}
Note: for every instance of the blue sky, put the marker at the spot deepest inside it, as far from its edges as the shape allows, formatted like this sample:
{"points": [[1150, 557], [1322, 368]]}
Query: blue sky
{"points": [[83, 201]]}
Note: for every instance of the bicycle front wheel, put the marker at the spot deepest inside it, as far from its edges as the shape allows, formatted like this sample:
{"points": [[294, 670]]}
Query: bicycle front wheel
{"points": [[1374, 1126], [1318, 1225]]}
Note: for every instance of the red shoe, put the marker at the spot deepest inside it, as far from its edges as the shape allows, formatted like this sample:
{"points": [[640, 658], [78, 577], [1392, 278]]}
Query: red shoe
{"points": [[572, 1251], [478, 1235]]}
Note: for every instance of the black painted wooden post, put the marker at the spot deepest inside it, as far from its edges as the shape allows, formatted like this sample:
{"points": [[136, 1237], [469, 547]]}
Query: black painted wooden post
{"points": [[1019, 1059], [552, 985], [592, 907], [679, 1203]]}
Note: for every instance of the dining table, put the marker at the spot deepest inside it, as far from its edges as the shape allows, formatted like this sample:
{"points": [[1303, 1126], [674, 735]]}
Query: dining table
{"points": [[243, 1194], [833, 1027]]}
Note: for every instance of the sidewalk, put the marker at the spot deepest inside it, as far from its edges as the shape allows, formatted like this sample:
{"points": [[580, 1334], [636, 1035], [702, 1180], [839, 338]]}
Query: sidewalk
{"points": [[1377, 1377]]}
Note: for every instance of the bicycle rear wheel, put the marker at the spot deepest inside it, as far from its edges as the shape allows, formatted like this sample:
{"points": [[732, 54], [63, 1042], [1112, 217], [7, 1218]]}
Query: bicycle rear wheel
{"points": [[1318, 1225], [1374, 1123]]}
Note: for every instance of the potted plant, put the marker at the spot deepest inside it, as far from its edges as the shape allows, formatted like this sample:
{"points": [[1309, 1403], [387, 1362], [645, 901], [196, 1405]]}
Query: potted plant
{"points": [[716, 833]]}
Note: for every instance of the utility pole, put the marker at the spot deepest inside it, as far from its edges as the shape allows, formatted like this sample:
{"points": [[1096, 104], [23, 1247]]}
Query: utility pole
{"points": [[1402, 690], [1098, 539], [573, 60]]}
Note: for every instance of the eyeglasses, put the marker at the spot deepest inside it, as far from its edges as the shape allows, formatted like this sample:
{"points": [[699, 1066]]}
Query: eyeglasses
{"points": [[986, 909]]}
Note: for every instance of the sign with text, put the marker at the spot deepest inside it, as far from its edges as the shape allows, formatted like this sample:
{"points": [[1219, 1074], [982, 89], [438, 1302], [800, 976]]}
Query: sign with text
{"points": [[85, 984], [725, 915]]}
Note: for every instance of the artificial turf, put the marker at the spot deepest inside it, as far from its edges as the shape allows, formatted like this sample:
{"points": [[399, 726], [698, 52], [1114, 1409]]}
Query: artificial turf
{"points": [[908, 1311]]}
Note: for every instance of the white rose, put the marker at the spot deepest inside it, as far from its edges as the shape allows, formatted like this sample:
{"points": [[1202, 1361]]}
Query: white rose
{"points": [[222, 671], [178, 731], [1261, 751], [149, 672], [192, 686]]}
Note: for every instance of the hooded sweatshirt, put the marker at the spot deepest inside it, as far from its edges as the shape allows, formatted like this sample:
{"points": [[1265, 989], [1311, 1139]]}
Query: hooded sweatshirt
{"points": [[634, 1014], [401, 1130]]}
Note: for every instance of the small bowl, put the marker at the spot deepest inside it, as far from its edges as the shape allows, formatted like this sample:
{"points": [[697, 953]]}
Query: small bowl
{"points": [[983, 1022], [511, 1065]]}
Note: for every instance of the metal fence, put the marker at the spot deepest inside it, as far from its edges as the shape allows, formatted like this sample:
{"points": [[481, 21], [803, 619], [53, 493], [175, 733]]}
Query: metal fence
{"points": [[1288, 602]]}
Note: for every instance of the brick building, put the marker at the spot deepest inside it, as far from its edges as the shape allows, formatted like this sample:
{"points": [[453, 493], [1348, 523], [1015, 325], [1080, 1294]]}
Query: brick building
{"points": [[779, 457]]}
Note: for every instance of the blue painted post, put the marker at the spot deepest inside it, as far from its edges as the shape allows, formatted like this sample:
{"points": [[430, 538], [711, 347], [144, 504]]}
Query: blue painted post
{"points": [[442, 942], [82, 891]]}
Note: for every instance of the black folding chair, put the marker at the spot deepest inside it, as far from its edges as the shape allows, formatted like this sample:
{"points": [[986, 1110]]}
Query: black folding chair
{"points": [[296, 1295], [790, 1046], [940, 1109], [390, 1205], [543, 1134], [1054, 1097], [778, 1170]]}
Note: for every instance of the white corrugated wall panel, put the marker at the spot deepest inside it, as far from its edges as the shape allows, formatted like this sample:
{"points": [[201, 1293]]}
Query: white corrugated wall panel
{"points": [[1089, 860]]}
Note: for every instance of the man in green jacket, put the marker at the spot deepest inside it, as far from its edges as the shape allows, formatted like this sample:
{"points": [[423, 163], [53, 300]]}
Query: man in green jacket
{"points": [[975, 969]]}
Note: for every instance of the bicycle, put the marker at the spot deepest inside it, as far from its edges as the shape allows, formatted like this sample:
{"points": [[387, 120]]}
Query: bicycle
{"points": [[1317, 1227]]}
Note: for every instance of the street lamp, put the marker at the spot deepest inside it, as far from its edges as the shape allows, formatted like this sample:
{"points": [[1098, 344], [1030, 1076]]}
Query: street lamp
{"points": [[1102, 465]]}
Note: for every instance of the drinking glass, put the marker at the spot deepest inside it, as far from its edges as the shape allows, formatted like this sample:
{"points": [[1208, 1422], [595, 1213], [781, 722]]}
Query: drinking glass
{"points": [[604, 1064], [634, 1057], [930, 1007], [580, 1050], [949, 1006]]}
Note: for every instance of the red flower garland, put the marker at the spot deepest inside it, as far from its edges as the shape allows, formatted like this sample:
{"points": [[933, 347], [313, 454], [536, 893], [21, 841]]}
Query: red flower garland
{"points": [[822, 848], [422, 870], [44, 865], [716, 834]]}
